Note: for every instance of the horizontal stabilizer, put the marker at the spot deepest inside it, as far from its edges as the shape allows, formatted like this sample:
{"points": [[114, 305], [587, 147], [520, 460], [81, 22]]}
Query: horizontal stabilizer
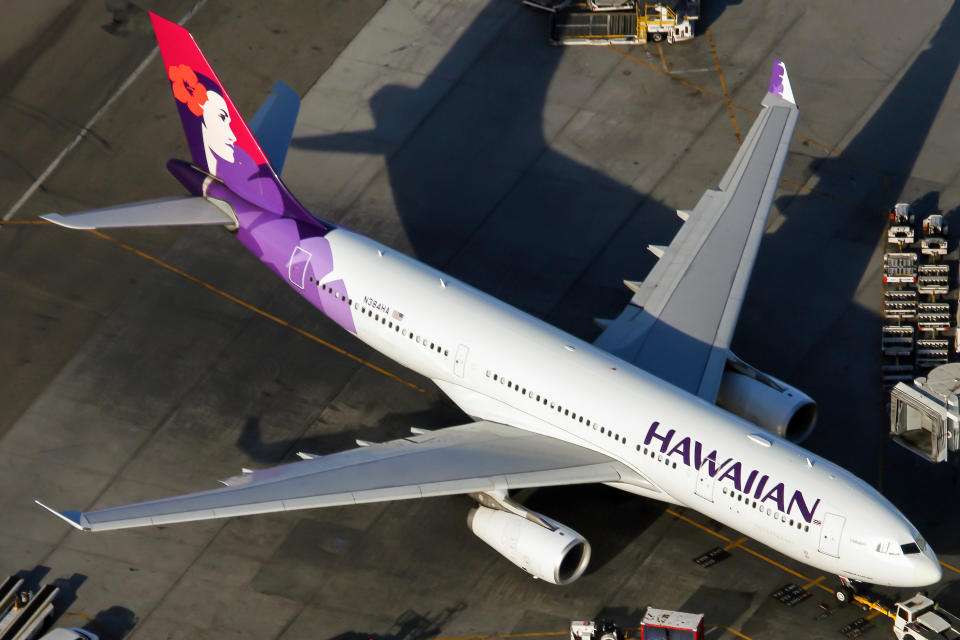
{"points": [[274, 122], [179, 210]]}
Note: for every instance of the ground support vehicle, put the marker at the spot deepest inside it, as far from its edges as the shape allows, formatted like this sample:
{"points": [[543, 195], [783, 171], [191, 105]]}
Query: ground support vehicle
{"points": [[933, 246], [603, 22], [660, 624], [900, 235], [917, 618], [919, 319], [657, 624], [23, 615], [899, 305], [897, 340], [933, 279], [595, 630], [900, 268]]}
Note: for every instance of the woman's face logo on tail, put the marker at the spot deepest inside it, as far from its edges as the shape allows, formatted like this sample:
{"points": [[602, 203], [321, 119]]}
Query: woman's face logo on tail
{"points": [[217, 134], [205, 102]]}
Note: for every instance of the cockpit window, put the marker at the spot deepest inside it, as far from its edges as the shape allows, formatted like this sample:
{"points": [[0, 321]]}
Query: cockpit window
{"points": [[910, 548], [921, 543]]}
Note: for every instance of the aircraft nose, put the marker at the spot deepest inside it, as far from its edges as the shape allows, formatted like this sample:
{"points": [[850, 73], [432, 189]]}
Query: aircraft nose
{"points": [[927, 570]]}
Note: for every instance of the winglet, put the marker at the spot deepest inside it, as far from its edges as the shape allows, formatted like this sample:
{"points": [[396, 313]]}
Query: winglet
{"points": [[73, 518], [780, 82]]}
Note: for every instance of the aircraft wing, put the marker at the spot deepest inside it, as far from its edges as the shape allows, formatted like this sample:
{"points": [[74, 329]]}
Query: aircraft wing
{"points": [[680, 320], [477, 457]]}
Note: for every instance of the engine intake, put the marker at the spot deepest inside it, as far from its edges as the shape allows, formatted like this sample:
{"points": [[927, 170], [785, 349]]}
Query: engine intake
{"points": [[766, 401], [558, 555]]}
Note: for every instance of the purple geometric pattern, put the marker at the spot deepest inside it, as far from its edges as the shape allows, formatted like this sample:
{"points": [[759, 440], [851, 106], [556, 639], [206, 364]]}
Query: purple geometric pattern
{"points": [[274, 238]]}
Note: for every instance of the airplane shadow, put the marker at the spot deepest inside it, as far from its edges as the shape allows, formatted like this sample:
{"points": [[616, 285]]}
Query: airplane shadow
{"points": [[821, 326], [409, 625], [392, 427]]}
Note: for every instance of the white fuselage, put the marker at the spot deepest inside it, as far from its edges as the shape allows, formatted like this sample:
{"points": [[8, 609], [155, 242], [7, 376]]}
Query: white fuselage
{"points": [[500, 364]]}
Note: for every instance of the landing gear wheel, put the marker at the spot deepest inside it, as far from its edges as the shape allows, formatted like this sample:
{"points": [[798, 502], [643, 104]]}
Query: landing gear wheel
{"points": [[844, 595], [657, 37]]}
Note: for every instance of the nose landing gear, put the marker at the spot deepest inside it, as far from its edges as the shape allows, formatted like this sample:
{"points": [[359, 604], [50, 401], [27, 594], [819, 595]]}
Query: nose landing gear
{"points": [[845, 592]]}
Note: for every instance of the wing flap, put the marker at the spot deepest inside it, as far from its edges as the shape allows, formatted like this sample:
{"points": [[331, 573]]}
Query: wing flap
{"points": [[477, 457]]}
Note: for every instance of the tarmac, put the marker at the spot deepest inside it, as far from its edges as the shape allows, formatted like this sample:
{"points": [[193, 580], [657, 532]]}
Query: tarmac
{"points": [[143, 363]]}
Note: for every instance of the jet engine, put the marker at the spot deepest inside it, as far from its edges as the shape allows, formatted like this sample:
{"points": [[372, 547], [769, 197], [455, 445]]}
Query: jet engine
{"points": [[554, 553], [766, 401]]}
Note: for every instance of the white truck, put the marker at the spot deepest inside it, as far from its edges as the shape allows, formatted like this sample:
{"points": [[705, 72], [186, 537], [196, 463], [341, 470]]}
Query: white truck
{"points": [[919, 618]]}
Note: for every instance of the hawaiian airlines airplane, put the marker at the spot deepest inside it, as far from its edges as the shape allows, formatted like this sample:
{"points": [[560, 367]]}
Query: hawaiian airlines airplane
{"points": [[657, 406]]}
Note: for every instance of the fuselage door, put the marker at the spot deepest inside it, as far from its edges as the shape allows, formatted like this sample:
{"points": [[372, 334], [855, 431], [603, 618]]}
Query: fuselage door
{"points": [[297, 268], [830, 534], [705, 481], [460, 360]]}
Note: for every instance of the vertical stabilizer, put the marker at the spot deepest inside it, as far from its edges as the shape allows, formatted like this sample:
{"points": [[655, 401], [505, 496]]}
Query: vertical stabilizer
{"points": [[220, 141]]}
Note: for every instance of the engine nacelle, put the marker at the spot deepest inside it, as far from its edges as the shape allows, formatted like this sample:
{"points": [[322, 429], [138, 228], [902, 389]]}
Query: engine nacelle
{"points": [[559, 555], [767, 402]]}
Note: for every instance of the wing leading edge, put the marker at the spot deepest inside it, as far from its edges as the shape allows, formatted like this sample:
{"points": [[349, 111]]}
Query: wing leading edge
{"points": [[477, 457], [680, 320]]}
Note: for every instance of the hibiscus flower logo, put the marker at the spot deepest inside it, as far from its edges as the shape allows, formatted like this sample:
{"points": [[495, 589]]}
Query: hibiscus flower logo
{"points": [[187, 89]]}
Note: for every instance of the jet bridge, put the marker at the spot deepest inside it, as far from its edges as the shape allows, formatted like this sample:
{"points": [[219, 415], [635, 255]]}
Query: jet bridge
{"points": [[925, 415]]}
